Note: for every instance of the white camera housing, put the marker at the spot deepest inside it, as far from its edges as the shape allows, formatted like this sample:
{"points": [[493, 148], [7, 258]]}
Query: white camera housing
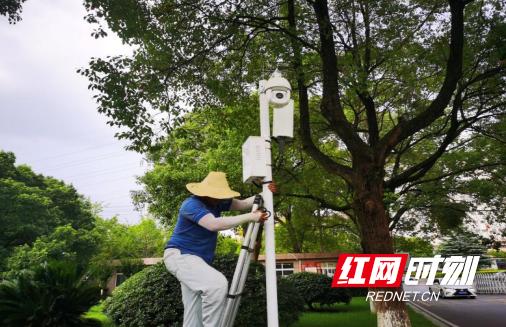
{"points": [[278, 90], [282, 125], [254, 160]]}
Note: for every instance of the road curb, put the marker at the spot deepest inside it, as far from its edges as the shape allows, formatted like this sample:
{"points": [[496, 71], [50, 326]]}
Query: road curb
{"points": [[435, 319]]}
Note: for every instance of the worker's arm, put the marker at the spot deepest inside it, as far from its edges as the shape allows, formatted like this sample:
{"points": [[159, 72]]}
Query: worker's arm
{"points": [[242, 205], [210, 222], [246, 204]]}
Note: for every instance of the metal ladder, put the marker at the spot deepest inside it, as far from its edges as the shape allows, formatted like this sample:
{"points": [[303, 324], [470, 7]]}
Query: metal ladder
{"points": [[241, 270]]}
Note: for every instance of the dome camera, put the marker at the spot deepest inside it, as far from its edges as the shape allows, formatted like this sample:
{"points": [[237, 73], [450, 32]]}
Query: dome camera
{"points": [[279, 97], [278, 90]]}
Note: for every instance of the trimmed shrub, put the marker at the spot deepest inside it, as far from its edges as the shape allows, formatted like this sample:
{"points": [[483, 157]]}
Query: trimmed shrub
{"points": [[152, 297], [316, 288]]}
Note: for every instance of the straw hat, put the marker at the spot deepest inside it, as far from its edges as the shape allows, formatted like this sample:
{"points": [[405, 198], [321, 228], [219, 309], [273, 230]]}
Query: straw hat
{"points": [[215, 186]]}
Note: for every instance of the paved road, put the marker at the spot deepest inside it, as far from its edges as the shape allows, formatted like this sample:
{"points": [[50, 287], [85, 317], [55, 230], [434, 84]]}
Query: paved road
{"points": [[484, 311]]}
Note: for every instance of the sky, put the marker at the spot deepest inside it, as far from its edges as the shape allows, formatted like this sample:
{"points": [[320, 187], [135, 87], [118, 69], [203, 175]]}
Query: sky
{"points": [[47, 115]]}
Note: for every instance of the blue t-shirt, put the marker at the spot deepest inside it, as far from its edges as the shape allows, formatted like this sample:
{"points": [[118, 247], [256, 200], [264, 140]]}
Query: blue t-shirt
{"points": [[191, 238]]}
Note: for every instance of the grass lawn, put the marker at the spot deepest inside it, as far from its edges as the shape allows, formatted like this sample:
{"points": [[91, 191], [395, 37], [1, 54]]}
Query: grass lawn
{"points": [[96, 312], [355, 314]]}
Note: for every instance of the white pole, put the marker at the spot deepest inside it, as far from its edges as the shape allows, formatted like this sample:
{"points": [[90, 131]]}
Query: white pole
{"points": [[270, 247]]}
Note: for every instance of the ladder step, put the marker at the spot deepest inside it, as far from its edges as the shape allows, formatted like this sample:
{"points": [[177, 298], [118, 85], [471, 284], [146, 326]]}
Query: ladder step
{"points": [[250, 250], [233, 296]]}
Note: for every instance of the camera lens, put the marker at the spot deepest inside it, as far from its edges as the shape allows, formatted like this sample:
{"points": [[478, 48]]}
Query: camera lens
{"points": [[280, 95]]}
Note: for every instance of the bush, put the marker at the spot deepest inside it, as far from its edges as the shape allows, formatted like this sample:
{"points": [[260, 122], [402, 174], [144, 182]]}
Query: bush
{"points": [[53, 295], [316, 288], [152, 297]]}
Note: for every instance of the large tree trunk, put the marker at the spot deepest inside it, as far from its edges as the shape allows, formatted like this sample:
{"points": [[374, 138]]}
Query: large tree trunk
{"points": [[295, 241], [373, 222]]}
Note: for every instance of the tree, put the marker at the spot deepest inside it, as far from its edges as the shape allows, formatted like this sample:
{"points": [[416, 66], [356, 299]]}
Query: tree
{"points": [[54, 295], [64, 244], [11, 9], [387, 76], [454, 192], [120, 247], [415, 246], [211, 140], [462, 243], [315, 230], [33, 205]]}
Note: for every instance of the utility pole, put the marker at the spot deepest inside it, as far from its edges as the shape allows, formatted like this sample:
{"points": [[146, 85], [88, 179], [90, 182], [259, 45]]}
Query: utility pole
{"points": [[257, 167], [275, 92]]}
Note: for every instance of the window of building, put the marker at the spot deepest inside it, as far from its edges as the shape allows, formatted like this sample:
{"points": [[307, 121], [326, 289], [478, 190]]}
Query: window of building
{"points": [[329, 268], [284, 269], [120, 278]]}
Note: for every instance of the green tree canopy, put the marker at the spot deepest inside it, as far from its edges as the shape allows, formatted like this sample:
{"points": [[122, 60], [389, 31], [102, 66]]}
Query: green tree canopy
{"points": [[462, 243], [120, 247], [211, 139], [33, 205], [415, 246], [12, 9], [63, 244]]}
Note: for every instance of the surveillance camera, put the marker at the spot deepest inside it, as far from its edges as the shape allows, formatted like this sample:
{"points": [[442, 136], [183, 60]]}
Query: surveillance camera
{"points": [[279, 97], [278, 89]]}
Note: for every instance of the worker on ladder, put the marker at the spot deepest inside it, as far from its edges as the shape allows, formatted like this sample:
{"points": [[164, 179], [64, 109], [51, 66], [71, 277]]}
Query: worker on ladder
{"points": [[190, 250]]}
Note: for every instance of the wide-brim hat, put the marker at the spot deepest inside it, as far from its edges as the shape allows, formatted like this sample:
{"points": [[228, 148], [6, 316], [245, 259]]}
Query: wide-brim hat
{"points": [[215, 186]]}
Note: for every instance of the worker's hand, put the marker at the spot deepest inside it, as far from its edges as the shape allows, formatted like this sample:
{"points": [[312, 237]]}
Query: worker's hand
{"points": [[260, 216], [272, 187]]}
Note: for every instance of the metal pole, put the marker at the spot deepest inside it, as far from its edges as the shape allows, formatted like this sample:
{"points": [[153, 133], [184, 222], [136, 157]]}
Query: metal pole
{"points": [[270, 248]]}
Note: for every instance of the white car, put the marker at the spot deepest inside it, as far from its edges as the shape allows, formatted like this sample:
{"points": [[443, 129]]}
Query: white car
{"points": [[453, 291]]}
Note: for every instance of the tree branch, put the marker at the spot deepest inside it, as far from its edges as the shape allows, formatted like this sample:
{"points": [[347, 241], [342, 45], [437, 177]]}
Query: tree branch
{"points": [[453, 74], [457, 172], [331, 107], [420, 169], [398, 215], [324, 203], [305, 128]]}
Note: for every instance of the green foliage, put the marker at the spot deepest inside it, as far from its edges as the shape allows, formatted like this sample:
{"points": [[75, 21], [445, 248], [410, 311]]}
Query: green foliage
{"points": [[123, 241], [96, 312], [415, 246], [33, 205], [462, 243], [120, 247], [152, 297], [496, 254], [308, 231], [54, 295], [211, 139], [227, 245], [64, 244], [11, 9], [246, 39], [316, 288]]}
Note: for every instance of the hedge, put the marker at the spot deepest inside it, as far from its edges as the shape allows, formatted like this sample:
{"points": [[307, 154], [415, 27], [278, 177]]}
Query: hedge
{"points": [[316, 288], [152, 297]]}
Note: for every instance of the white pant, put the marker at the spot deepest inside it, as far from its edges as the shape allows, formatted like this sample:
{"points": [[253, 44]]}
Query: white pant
{"points": [[204, 288]]}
